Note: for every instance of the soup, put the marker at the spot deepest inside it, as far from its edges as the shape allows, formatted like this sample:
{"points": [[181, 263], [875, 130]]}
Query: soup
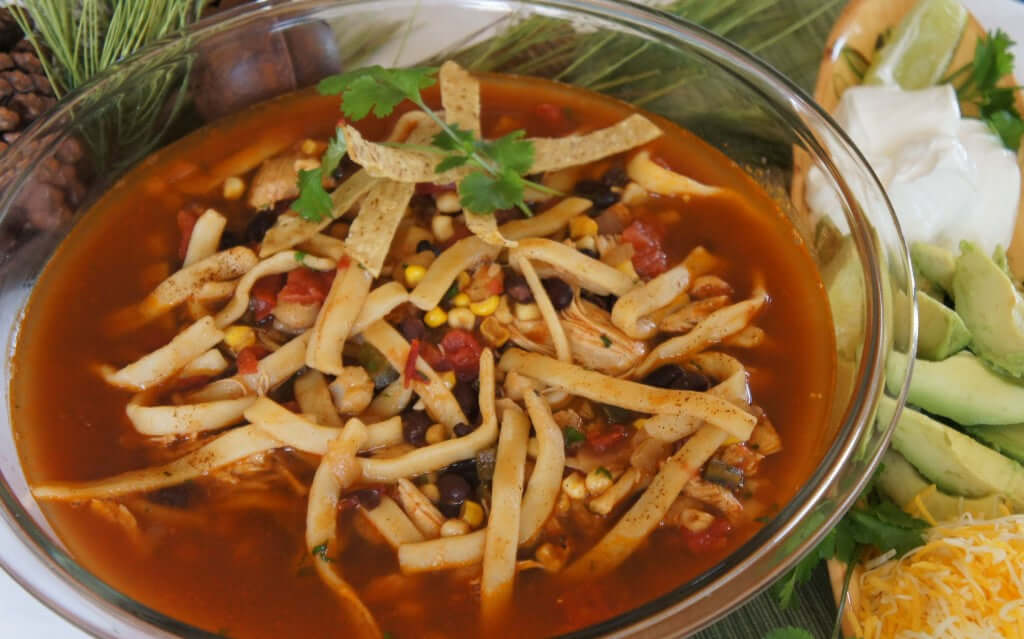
{"points": [[229, 416]]}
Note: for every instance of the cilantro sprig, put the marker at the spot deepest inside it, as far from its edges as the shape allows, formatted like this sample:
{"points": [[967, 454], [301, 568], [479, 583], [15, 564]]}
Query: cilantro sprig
{"points": [[314, 203], [978, 79], [498, 167]]}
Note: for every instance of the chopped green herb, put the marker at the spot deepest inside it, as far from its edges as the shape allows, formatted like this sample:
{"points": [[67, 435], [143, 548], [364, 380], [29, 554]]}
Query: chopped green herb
{"points": [[314, 203], [320, 551], [604, 472], [993, 59], [377, 89], [452, 291], [607, 341], [573, 435], [300, 257], [336, 149]]}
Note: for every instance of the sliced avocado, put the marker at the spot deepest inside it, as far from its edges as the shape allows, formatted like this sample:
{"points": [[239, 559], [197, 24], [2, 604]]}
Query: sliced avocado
{"points": [[992, 310], [935, 264], [900, 481], [940, 331], [843, 277], [1007, 439], [961, 388], [951, 460]]}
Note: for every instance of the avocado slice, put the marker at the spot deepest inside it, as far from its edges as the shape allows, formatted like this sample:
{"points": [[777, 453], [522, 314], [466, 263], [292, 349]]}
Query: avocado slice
{"points": [[961, 388], [951, 460], [940, 331], [992, 310], [843, 277], [900, 482], [1007, 439], [935, 264]]}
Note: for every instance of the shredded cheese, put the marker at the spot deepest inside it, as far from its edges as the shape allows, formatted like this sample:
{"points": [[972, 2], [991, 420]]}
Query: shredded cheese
{"points": [[965, 582]]}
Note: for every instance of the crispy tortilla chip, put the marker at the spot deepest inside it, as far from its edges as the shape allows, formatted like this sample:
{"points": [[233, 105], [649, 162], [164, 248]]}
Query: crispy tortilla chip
{"points": [[291, 229], [401, 165], [551, 154], [460, 97], [370, 236]]}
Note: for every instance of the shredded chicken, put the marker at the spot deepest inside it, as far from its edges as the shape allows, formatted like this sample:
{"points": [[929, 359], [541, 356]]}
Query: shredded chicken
{"points": [[715, 496]]}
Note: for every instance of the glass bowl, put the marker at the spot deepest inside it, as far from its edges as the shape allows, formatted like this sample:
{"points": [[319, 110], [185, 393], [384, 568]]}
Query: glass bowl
{"points": [[733, 101]]}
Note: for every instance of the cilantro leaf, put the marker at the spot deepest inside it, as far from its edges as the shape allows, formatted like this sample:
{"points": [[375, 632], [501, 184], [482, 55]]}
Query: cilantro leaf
{"points": [[455, 139], [367, 94], [510, 151], [996, 105], [377, 89], [885, 527], [1008, 126], [314, 203], [993, 58], [481, 193], [336, 149], [789, 632], [573, 435], [320, 551], [451, 162]]}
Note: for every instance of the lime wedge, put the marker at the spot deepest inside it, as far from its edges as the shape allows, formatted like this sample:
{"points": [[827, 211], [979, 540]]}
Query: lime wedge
{"points": [[919, 50]]}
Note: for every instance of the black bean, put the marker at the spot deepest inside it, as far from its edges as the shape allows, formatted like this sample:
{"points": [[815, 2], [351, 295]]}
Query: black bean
{"points": [[517, 288], [615, 176], [462, 429], [422, 204], [468, 399], [591, 253], [465, 468], [601, 301], [228, 239], [413, 328], [414, 427], [258, 226], [454, 490], [344, 169], [368, 498], [426, 245], [559, 292], [677, 378], [600, 194]]}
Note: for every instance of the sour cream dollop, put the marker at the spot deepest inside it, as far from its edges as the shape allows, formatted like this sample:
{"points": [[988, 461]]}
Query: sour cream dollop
{"points": [[948, 178]]}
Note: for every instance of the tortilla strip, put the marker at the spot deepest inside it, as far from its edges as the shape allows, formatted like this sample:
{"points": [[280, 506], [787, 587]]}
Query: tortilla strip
{"points": [[209, 364], [315, 399], [186, 419], [645, 515], [211, 292], [323, 246], [442, 554], [381, 301], [165, 362], [502, 538], [205, 237], [392, 523], [550, 221], [630, 395], [291, 229], [441, 404], [405, 165], [657, 179], [437, 456], [270, 143], [392, 400], [271, 371], [301, 434], [337, 471], [274, 265], [631, 310], [709, 331], [460, 97], [547, 309], [546, 479], [629, 483], [421, 511], [575, 267], [371, 233], [335, 319], [228, 448]]}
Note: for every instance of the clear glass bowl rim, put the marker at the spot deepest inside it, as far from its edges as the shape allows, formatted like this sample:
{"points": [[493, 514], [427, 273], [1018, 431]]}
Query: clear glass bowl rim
{"points": [[823, 481]]}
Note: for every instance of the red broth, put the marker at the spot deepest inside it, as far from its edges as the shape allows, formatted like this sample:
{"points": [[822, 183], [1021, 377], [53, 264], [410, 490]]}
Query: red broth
{"points": [[243, 572]]}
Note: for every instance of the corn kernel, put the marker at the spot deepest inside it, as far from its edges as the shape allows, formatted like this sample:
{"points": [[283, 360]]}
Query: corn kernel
{"points": [[472, 513], [582, 226], [454, 528], [238, 337], [431, 492], [527, 312], [448, 378], [435, 317], [574, 486], [732, 439], [463, 280], [485, 307], [587, 243], [640, 424], [309, 146], [460, 300], [627, 267], [598, 481], [448, 202], [442, 228], [414, 274], [633, 194], [436, 434], [462, 318], [234, 187]]}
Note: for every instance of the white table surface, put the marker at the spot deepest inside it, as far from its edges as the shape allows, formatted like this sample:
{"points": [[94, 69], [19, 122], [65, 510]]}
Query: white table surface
{"points": [[23, 617]]}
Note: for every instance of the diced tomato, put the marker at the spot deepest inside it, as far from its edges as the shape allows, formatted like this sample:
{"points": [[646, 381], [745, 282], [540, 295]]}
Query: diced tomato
{"points": [[553, 117], [601, 440], [649, 259], [304, 286], [344, 262], [714, 537], [248, 359], [186, 223], [463, 350], [263, 296], [410, 373], [433, 356]]}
